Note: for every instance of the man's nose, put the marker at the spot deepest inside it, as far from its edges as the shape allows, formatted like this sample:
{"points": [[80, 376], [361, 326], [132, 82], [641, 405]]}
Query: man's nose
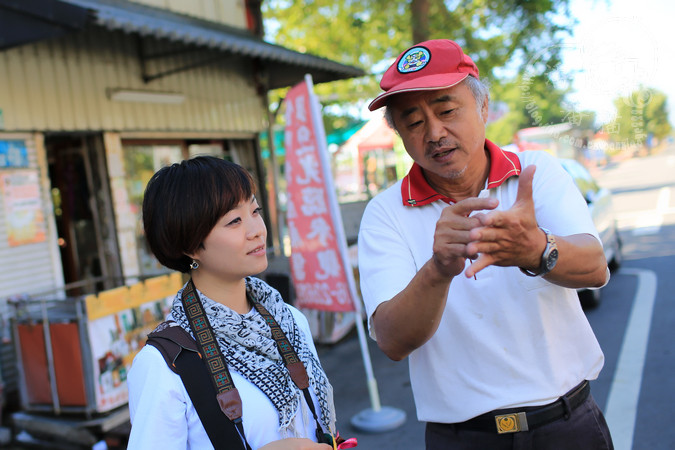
{"points": [[435, 130]]}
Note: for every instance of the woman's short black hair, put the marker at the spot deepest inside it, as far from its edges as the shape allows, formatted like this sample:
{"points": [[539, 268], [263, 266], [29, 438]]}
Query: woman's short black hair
{"points": [[184, 201]]}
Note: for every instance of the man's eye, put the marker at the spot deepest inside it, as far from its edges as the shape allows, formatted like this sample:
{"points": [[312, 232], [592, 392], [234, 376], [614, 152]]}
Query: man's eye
{"points": [[447, 112], [415, 124], [258, 210]]}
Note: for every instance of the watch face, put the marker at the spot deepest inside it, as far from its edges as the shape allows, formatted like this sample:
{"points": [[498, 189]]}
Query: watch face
{"points": [[552, 259]]}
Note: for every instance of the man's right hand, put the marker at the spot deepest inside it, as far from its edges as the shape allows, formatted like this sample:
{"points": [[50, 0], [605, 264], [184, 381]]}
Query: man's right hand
{"points": [[452, 234]]}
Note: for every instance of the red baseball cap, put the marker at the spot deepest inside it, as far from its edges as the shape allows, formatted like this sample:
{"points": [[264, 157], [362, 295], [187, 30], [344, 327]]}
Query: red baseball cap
{"points": [[429, 65]]}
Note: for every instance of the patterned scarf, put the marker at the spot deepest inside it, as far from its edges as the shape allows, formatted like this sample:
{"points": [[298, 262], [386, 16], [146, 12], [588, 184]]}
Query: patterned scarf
{"points": [[247, 344]]}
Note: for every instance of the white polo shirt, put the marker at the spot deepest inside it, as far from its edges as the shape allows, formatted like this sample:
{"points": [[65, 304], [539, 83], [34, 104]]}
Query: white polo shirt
{"points": [[505, 339]]}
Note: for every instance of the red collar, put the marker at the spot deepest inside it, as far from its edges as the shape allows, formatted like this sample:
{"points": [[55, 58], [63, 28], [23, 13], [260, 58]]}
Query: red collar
{"points": [[415, 191]]}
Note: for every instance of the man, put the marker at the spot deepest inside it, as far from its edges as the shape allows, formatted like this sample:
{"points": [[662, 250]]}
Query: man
{"points": [[469, 266]]}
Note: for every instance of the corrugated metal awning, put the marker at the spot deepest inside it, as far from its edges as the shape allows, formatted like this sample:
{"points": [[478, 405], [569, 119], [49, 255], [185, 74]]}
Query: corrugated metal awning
{"points": [[286, 67]]}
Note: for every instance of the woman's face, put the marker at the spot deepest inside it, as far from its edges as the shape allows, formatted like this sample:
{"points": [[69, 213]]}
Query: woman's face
{"points": [[235, 247]]}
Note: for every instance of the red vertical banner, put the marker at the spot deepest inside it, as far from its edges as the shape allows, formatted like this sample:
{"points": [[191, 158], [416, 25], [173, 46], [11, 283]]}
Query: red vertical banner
{"points": [[318, 249]]}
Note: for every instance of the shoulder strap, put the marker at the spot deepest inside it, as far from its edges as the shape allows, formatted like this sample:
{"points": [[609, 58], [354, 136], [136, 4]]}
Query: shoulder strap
{"points": [[214, 360], [170, 339], [180, 353]]}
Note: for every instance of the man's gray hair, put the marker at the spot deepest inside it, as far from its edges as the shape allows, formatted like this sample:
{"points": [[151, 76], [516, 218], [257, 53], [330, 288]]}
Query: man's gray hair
{"points": [[479, 89]]}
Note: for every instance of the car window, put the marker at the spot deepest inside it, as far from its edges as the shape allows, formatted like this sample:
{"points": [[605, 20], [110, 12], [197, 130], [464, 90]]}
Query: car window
{"points": [[582, 177], [587, 178]]}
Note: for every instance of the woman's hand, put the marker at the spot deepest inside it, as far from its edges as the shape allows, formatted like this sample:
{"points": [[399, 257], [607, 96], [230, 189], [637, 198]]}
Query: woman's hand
{"points": [[295, 444]]}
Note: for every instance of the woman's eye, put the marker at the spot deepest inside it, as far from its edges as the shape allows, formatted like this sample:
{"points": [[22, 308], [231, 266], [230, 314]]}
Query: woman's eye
{"points": [[234, 221], [258, 210]]}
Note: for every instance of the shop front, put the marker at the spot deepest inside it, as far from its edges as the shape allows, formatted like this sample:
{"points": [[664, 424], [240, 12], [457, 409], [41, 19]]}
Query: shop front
{"points": [[96, 96]]}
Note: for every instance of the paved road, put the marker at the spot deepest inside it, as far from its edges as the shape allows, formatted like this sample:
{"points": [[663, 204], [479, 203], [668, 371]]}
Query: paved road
{"points": [[346, 371]]}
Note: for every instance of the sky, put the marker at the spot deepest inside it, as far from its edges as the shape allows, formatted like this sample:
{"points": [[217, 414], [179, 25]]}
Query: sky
{"points": [[617, 46]]}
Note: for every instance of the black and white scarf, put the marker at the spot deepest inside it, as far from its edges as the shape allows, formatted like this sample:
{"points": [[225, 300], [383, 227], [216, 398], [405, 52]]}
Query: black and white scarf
{"points": [[248, 347]]}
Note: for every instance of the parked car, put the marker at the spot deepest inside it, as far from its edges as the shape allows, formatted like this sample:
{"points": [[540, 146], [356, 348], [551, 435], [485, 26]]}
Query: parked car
{"points": [[599, 201]]}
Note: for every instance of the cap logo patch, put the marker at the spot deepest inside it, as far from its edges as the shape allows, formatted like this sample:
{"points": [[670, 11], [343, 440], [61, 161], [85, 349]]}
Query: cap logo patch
{"points": [[413, 60]]}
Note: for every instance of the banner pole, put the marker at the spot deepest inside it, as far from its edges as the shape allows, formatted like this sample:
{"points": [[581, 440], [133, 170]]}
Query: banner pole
{"points": [[376, 418]]}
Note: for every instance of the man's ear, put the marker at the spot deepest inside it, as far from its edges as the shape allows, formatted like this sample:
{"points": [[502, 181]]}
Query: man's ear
{"points": [[484, 109]]}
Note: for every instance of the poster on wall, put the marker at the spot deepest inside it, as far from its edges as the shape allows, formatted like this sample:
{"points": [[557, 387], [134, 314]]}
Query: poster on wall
{"points": [[12, 153], [22, 207], [119, 321]]}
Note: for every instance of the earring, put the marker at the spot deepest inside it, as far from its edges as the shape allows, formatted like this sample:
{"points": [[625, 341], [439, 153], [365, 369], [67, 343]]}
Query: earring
{"points": [[194, 265]]}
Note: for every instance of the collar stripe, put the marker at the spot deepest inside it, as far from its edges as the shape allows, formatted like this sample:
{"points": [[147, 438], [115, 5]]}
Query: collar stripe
{"points": [[508, 165]]}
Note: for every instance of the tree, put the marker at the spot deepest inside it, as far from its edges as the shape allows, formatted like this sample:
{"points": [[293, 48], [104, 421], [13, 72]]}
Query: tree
{"points": [[641, 116], [498, 34], [530, 102]]}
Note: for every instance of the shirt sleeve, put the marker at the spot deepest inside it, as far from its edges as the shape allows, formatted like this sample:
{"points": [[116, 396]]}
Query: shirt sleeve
{"points": [[157, 404], [386, 260]]}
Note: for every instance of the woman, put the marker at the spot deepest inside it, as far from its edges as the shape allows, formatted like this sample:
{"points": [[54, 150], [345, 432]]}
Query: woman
{"points": [[201, 217]]}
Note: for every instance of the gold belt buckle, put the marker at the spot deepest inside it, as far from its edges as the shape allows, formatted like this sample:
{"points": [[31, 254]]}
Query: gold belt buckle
{"points": [[511, 423]]}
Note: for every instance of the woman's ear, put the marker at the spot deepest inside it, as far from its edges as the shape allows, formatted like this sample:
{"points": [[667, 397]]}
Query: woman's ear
{"points": [[195, 255]]}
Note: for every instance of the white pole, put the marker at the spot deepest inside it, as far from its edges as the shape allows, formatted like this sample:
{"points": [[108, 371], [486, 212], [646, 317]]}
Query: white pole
{"points": [[377, 418]]}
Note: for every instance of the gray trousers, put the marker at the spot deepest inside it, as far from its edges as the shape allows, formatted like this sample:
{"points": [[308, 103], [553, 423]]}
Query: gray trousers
{"points": [[585, 429]]}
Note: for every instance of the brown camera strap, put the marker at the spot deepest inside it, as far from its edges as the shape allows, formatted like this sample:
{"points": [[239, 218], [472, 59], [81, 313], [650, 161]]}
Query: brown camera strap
{"points": [[226, 394]]}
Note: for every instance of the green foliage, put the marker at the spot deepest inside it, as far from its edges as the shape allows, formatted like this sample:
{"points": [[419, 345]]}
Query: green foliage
{"points": [[532, 102], [512, 34], [515, 44], [504, 37], [333, 122], [359, 33], [641, 114]]}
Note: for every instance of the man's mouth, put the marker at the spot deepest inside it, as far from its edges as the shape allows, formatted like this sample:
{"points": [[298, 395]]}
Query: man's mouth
{"points": [[442, 154]]}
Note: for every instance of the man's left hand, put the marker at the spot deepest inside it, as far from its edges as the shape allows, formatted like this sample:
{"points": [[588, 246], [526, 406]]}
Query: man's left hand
{"points": [[508, 238]]}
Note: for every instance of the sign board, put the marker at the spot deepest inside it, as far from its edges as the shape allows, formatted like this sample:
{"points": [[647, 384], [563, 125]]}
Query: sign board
{"points": [[119, 321], [319, 267]]}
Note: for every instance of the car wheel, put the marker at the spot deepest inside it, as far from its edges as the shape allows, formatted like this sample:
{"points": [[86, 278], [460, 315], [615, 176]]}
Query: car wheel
{"points": [[589, 298]]}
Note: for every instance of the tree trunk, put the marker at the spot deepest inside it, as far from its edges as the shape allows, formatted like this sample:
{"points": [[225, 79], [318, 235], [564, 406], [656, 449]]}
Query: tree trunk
{"points": [[419, 11]]}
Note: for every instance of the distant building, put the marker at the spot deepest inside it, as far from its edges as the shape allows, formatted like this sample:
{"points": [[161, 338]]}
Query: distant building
{"points": [[371, 160], [563, 140]]}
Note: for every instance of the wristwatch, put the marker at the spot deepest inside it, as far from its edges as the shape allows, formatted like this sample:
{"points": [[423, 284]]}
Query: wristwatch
{"points": [[548, 259]]}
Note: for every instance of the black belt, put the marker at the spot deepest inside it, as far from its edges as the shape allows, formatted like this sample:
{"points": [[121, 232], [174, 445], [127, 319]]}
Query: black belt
{"points": [[528, 418]]}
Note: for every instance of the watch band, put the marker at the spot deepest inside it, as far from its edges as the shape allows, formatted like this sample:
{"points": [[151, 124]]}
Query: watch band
{"points": [[548, 259]]}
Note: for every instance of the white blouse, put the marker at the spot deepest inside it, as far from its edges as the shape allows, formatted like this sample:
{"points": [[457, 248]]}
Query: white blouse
{"points": [[163, 417]]}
